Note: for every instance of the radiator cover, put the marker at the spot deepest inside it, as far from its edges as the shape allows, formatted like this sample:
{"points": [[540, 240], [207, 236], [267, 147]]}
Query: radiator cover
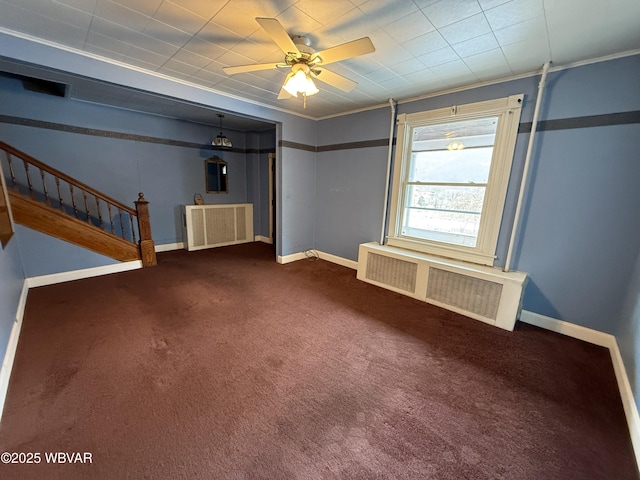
{"points": [[483, 293], [207, 226]]}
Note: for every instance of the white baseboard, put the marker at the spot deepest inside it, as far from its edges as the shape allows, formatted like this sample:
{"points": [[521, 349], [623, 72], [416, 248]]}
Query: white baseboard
{"points": [[262, 238], [293, 257], [604, 340], [12, 346], [628, 400], [570, 329], [345, 262], [84, 273], [167, 247]]}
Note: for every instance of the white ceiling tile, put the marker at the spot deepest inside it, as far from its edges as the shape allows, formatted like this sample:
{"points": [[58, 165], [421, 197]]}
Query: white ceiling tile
{"points": [[146, 7], [426, 43], [60, 12], [383, 12], [326, 11], [446, 12], [149, 58], [382, 75], [203, 9], [487, 4], [18, 15], [219, 36], [114, 30], [190, 58], [409, 27], [361, 66], [171, 14], [489, 65], [420, 79], [211, 73], [438, 57], [231, 58], [534, 29], [407, 67], [108, 43], [476, 45], [64, 33], [165, 33], [257, 52], [353, 24], [233, 18], [296, 22], [121, 15], [513, 12], [203, 48], [527, 57], [149, 43], [87, 6], [452, 70], [177, 66], [594, 31], [425, 3], [395, 82], [466, 29], [106, 53]]}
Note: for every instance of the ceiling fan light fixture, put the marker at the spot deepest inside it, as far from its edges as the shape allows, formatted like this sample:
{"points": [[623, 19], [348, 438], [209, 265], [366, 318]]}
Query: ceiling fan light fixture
{"points": [[299, 81]]}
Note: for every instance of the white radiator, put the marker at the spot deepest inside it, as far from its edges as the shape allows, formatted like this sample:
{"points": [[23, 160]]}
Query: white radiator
{"points": [[206, 226], [484, 293]]}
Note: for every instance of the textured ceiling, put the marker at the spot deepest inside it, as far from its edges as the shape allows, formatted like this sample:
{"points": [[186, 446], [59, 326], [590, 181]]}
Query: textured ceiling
{"points": [[422, 46]]}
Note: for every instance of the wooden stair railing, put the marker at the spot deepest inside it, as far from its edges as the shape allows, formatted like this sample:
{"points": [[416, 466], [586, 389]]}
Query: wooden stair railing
{"points": [[86, 207]]}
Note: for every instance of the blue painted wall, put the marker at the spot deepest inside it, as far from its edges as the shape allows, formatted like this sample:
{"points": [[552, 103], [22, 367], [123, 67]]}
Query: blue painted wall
{"points": [[628, 331], [11, 281], [298, 197]]}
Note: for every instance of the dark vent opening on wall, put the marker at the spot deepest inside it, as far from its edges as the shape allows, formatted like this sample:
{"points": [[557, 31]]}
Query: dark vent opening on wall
{"points": [[38, 85]]}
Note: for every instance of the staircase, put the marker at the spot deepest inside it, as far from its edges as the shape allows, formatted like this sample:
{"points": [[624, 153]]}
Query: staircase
{"points": [[51, 202]]}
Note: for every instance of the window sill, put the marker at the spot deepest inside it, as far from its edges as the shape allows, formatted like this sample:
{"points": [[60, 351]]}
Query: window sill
{"points": [[451, 252]]}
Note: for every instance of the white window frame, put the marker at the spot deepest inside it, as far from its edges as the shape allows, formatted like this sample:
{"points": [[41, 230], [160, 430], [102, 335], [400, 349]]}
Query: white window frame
{"points": [[508, 111]]}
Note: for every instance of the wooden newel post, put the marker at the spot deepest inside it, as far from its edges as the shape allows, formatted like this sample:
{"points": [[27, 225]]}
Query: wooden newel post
{"points": [[147, 247]]}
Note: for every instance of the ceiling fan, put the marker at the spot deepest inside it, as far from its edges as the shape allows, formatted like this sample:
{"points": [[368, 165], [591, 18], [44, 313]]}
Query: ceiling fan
{"points": [[305, 62]]}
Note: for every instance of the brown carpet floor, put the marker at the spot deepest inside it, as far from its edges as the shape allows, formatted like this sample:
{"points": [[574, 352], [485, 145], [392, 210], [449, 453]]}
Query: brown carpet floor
{"points": [[222, 364]]}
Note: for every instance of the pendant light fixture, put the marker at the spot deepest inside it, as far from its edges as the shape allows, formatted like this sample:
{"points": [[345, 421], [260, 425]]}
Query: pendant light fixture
{"points": [[221, 141]]}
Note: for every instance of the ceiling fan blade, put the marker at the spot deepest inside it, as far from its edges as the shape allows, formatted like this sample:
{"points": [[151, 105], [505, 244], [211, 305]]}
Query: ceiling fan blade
{"points": [[252, 68], [333, 79], [346, 50], [279, 35]]}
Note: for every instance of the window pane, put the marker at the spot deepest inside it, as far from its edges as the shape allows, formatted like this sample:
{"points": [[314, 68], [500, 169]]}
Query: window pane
{"points": [[456, 228], [434, 197], [454, 152], [461, 166], [443, 213]]}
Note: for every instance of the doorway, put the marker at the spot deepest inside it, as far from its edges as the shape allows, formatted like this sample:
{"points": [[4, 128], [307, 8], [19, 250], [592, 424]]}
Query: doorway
{"points": [[272, 201]]}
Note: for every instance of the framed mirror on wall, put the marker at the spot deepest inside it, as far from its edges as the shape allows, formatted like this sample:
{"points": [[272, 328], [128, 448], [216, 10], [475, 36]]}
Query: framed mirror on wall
{"points": [[216, 175]]}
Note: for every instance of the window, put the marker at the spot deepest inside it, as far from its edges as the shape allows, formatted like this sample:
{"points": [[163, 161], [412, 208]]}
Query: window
{"points": [[451, 172]]}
